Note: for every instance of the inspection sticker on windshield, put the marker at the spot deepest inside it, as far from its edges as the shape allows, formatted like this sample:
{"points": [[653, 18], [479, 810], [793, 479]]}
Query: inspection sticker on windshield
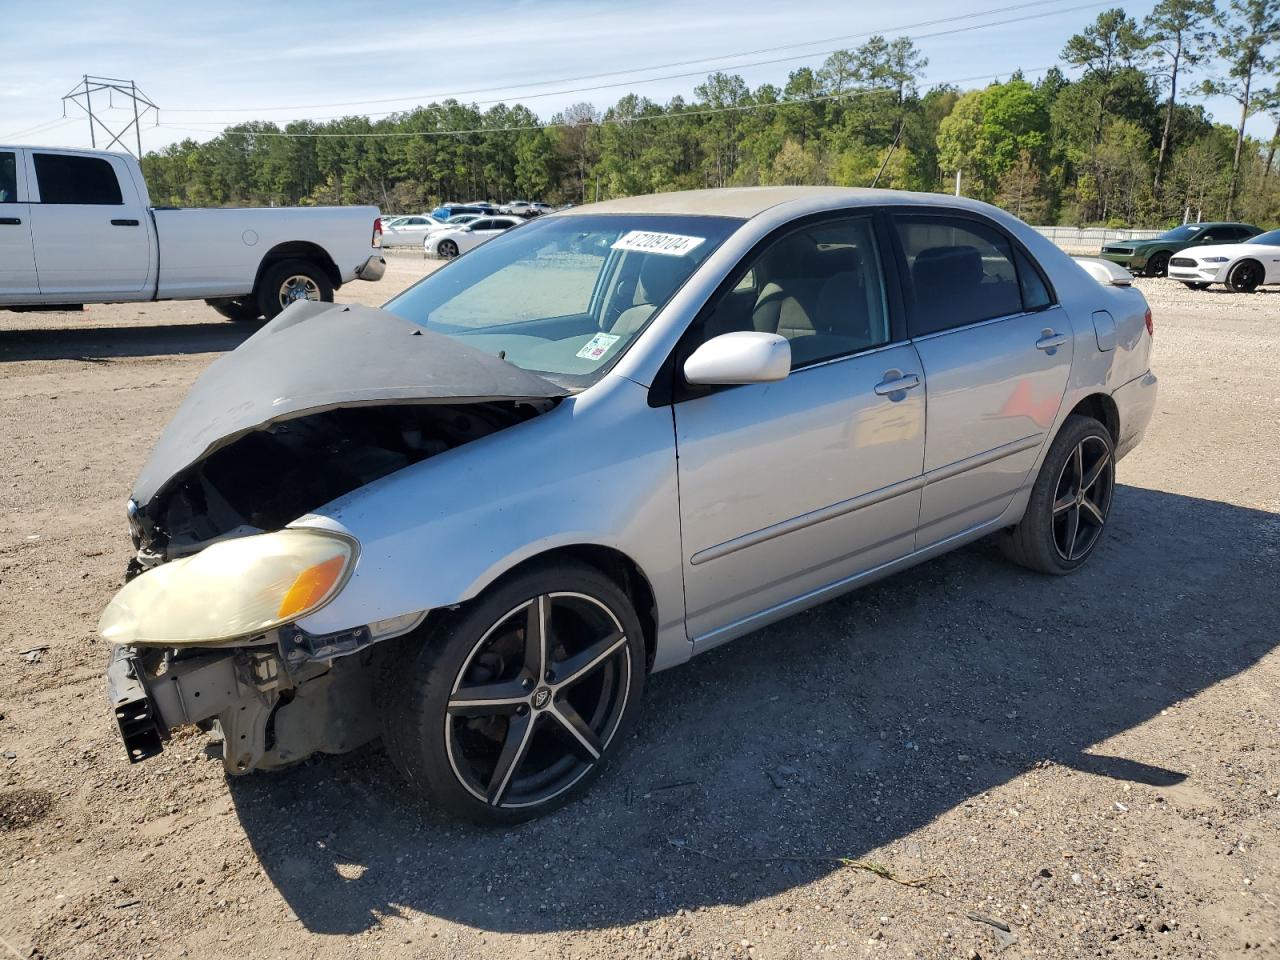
{"points": [[667, 244], [598, 346]]}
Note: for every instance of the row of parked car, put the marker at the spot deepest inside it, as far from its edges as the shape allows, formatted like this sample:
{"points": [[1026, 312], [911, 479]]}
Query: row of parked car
{"points": [[453, 228], [1239, 255]]}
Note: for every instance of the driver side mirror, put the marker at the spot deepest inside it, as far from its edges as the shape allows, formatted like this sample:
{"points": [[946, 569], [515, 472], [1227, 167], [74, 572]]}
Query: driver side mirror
{"points": [[744, 356]]}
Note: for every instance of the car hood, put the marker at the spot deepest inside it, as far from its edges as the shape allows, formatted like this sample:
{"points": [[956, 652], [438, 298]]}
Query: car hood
{"points": [[1229, 250], [320, 356]]}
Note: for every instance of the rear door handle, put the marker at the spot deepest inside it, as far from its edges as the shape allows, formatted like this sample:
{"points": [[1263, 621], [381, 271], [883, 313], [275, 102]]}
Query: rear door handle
{"points": [[124, 223], [1050, 340], [896, 384], [11, 221]]}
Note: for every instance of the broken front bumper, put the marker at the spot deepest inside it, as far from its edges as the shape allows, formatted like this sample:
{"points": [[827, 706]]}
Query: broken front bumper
{"points": [[283, 696]]}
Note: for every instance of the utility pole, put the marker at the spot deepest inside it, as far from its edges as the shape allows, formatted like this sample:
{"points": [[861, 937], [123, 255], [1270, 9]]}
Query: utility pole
{"points": [[82, 96], [957, 183]]}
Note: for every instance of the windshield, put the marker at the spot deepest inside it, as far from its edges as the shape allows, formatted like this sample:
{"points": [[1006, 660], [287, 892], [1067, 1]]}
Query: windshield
{"points": [[563, 297], [1185, 232], [1269, 239]]}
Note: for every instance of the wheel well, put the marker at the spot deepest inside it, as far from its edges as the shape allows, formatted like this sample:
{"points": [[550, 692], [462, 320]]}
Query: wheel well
{"points": [[1239, 263], [1102, 408], [622, 570], [300, 250]]}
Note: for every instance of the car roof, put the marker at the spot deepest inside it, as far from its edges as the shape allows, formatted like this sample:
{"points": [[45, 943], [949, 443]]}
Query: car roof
{"points": [[748, 202]]}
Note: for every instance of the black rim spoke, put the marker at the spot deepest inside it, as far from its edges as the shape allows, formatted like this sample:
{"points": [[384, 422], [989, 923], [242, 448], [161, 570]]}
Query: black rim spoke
{"points": [[1092, 512], [514, 747], [583, 664], [487, 700], [1063, 503], [1073, 528], [1095, 472], [587, 744], [537, 628]]}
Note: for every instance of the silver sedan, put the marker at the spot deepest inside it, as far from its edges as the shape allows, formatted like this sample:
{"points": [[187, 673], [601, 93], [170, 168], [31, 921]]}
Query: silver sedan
{"points": [[473, 522]]}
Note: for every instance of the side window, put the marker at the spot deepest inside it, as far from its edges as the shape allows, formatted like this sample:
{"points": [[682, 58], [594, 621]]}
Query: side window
{"points": [[8, 178], [480, 225], [821, 287], [962, 272], [1035, 292], [68, 179]]}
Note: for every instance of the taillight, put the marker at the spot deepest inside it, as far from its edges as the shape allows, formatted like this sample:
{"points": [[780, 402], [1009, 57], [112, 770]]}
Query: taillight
{"points": [[377, 242], [1151, 327]]}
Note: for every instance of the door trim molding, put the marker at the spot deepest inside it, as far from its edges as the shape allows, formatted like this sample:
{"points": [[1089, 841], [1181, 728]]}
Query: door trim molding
{"points": [[938, 474]]}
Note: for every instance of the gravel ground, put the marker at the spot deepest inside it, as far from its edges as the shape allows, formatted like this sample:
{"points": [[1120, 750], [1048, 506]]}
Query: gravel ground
{"points": [[1092, 762]]}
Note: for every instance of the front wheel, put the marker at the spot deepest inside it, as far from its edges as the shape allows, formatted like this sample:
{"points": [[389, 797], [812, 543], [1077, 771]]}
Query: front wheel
{"points": [[289, 281], [1070, 501], [447, 249], [1245, 276], [513, 705], [1196, 285], [1158, 265]]}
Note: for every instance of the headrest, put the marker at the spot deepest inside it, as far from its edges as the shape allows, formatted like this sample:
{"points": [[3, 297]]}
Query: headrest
{"points": [[956, 265], [659, 277]]}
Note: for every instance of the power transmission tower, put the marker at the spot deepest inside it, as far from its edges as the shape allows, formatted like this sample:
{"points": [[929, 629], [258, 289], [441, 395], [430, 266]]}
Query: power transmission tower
{"points": [[82, 97]]}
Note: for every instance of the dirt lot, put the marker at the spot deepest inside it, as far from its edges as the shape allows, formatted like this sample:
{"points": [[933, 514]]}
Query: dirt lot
{"points": [[1092, 761]]}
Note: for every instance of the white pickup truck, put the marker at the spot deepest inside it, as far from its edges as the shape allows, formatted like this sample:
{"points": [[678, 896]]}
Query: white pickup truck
{"points": [[77, 226]]}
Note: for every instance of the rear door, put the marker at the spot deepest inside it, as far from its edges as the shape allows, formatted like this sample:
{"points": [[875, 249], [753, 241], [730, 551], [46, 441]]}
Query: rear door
{"points": [[996, 351], [89, 227], [18, 282]]}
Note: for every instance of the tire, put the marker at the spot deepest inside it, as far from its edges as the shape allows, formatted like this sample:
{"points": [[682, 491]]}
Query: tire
{"points": [[1062, 526], [1196, 285], [289, 280], [456, 748], [1158, 265], [447, 249], [1245, 277], [241, 311]]}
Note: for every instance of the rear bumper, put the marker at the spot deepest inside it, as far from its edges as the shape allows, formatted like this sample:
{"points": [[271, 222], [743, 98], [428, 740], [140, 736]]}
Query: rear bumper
{"points": [[1135, 402], [372, 269]]}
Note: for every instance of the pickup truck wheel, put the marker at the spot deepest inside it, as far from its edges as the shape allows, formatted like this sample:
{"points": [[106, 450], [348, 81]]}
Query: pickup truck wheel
{"points": [[241, 311], [1070, 501], [512, 705], [288, 281]]}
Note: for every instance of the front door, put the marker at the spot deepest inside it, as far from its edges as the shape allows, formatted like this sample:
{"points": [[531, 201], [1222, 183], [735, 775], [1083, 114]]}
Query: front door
{"points": [[90, 228], [996, 352], [790, 487], [18, 282]]}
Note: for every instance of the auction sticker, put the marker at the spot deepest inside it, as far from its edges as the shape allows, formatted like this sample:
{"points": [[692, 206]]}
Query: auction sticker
{"points": [[598, 346], [667, 244]]}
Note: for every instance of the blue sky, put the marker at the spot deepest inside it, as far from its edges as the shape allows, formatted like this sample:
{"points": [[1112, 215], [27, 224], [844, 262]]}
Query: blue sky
{"points": [[214, 63]]}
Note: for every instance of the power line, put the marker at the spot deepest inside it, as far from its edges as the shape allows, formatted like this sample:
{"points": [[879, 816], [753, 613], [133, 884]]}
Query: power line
{"points": [[45, 127], [663, 66], [614, 121]]}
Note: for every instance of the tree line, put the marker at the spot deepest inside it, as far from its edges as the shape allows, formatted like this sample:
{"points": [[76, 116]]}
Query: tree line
{"points": [[1125, 143]]}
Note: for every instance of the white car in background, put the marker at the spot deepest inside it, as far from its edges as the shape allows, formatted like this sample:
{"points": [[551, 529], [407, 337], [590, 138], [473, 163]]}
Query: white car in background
{"points": [[449, 243], [1243, 267], [408, 231]]}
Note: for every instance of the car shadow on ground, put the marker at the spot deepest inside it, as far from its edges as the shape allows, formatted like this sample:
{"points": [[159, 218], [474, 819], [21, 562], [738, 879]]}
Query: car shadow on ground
{"points": [[91, 343], [834, 733]]}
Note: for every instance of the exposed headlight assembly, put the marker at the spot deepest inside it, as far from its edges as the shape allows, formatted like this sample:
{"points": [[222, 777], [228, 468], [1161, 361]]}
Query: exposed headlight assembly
{"points": [[231, 589], [1214, 259]]}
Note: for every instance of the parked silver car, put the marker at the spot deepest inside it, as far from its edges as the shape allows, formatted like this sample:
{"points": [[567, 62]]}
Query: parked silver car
{"points": [[473, 522]]}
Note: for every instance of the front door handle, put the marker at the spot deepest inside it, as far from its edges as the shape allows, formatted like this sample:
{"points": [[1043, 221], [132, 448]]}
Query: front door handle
{"points": [[1050, 340], [895, 382], [11, 221], [124, 223]]}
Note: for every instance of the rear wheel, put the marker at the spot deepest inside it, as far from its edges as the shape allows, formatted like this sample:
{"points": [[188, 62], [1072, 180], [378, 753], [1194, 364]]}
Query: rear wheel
{"points": [[289, 281], [1245, 276], [511, 707], [1070, 501], [1158, 265], [1197, 285], [241, 310]]}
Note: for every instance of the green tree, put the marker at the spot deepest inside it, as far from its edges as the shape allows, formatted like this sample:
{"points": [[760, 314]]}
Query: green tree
{"points": [[1176, 34]]}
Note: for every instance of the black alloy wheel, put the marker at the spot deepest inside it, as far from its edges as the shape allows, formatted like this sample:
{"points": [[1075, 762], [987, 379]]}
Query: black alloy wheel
{"points": [[1245, 276], [1082, 499], [513, 706], [1158, 265]]}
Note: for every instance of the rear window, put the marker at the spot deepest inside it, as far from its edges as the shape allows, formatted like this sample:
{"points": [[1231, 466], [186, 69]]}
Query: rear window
{"points": [[8, 178], [68, 179]]}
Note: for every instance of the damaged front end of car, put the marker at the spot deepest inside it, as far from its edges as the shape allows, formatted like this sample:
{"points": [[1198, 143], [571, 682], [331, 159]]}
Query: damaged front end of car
{"points": [[321, 402]]}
